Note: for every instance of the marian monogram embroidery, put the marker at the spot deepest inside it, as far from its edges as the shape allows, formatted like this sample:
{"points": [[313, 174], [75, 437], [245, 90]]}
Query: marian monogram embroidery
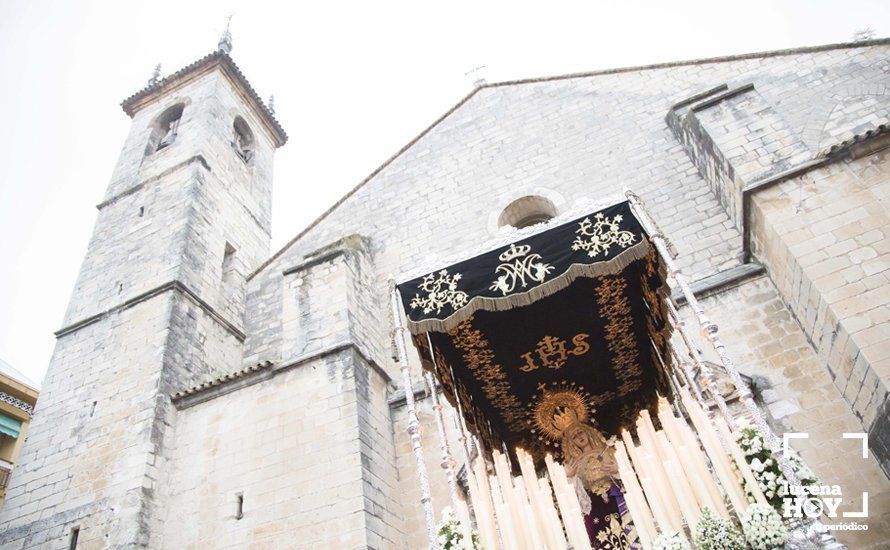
{"points": [[518, 266], [441, 291], [599, 236]]}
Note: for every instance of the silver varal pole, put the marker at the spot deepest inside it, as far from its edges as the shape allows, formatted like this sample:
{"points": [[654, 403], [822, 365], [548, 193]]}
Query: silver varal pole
{"points": [[683, 367], [413, 422], [447, 460], [706, 374], [709, 330]]}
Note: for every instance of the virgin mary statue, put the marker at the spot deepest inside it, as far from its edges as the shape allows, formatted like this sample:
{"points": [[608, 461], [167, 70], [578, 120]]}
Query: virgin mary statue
{"points": [[590, 465]]}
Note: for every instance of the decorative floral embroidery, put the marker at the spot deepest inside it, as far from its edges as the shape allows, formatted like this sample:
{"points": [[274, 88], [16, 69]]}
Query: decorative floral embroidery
{"points": [[441, 291], [519, 265], [612, 535], [480, 360], [616, 311], [602, 234]]}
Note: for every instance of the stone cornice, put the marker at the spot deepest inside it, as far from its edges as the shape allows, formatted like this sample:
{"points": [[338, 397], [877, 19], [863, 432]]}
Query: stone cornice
{"points": [[176, 167], [249, 376], [174, 285]]}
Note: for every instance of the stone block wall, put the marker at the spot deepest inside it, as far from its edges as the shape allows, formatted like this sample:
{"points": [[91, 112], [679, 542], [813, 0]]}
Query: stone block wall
{"points": [[87, 461], [304, 450], [591, 136], [736, 139], [152, 313], [824, 239], [767, 343], [307, 442]]}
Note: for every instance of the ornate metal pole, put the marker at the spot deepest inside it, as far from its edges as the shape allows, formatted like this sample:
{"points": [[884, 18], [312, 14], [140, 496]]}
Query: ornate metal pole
{"points": [[709, 331], [447, 460], [683, 367], [398, 333], [706, 374]]}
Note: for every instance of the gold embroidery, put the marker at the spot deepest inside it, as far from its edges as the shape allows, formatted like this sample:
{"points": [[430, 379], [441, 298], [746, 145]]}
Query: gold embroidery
{"points": [[553, 353], [441, 291], [615, 309], [655, 317], [517, 268], [612, 536], [602, 234], [481, 361]]}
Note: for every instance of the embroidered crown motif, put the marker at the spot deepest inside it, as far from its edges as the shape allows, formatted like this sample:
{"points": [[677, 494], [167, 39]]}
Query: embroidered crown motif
{"points": [[514, 252]]}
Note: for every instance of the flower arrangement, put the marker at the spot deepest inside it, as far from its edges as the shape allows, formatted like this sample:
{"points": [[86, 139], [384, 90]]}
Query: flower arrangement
{"points": [[670, 540], [766, 469], [449, 535], [763, 528], [716, 533]]}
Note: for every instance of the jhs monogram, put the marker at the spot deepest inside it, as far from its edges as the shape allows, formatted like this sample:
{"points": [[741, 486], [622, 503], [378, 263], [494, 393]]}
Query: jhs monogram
{"points": [[552, 352]]}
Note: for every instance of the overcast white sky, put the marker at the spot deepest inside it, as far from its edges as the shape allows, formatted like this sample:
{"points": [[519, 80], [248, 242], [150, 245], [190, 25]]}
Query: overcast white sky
{"points": [[352, 82]]}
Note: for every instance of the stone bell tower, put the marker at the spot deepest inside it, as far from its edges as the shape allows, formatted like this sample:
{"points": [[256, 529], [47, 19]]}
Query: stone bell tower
{"points": [[158, 305]]}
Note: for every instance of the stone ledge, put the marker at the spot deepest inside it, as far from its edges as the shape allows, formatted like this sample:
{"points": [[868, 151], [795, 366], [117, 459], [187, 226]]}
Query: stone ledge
{"points": [[697, 97], [197, 158], [174, 285], [258, 373], [711, 101], [399, 399], [317, 260], [720, 281]]}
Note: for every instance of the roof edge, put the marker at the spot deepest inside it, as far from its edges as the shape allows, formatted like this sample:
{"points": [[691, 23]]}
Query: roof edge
{"points": [[186, 74], [700, 61], [362, 183]]}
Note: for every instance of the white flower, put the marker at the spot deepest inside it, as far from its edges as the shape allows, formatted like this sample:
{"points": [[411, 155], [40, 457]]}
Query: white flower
{"points": [[671, 541]]}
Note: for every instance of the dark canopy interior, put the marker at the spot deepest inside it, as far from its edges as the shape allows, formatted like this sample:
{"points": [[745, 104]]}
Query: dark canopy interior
{"points": [[562, 326]]}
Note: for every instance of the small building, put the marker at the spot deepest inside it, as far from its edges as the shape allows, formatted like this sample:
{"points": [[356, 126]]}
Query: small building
{"points": [[18, 395]]}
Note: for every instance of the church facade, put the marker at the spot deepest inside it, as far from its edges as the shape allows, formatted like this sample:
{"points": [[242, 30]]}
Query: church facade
{"points": [[206, 392]]}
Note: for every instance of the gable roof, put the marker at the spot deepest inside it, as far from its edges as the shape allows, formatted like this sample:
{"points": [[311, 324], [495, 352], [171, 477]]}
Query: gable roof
{"points": [[519, 82], [202, 66]]}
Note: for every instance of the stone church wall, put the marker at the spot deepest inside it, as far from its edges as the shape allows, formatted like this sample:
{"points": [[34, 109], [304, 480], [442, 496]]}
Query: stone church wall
{"points": [[293, 400], [591, 137], [78, 468], [306, 442], [824, 238], [305, 451], [766, 340]]}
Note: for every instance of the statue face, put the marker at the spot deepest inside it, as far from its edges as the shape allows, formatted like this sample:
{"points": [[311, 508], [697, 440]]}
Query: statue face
{"points": [[580, 439]]}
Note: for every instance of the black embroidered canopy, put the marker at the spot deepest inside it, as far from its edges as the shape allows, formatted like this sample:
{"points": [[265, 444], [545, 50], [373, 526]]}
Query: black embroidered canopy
{"points": [[560, 327]]}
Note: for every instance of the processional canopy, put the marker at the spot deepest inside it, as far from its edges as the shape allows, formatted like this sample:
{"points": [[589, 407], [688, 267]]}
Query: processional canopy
{"points": [[562, 325]]}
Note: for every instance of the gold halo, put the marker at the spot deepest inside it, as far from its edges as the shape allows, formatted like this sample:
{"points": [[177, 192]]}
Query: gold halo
{"points": [[557, 409]]}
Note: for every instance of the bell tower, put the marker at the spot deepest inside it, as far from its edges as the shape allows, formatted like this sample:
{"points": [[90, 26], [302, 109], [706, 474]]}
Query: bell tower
{"points": [[158, 305]]}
